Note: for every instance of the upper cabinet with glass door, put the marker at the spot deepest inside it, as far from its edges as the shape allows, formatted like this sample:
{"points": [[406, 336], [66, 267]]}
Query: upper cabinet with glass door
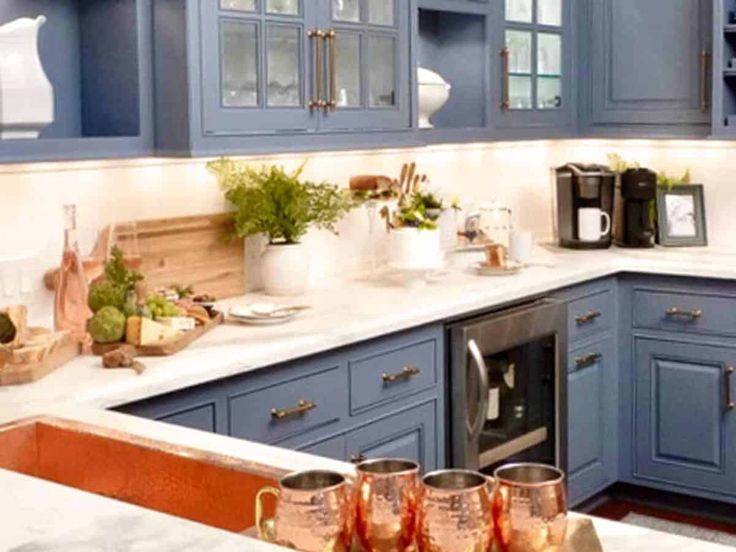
{"points": [[536, 89], [367, 66], [258, 63]]}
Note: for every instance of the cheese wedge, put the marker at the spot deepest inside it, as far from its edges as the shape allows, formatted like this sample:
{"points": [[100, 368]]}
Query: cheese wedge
{"points": [[144, 332]]}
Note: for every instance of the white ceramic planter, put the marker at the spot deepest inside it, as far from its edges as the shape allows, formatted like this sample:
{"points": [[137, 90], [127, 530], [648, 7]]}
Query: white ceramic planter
{"points": [[285, 269], [26, 95], [413, 249]]}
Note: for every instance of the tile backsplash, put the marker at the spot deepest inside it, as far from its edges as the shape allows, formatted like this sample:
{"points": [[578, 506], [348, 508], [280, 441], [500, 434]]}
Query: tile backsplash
{"points": [[517, 174]]}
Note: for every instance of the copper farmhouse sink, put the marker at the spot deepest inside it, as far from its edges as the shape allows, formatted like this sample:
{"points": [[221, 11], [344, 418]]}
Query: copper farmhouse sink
{"points": [[215, 490]]}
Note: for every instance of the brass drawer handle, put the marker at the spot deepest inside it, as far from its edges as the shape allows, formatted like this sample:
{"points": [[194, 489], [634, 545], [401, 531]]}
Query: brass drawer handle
{"points": [[674, 312], [406, 374], [302, 408], [588, 360], [730, 404], [588, 317]]}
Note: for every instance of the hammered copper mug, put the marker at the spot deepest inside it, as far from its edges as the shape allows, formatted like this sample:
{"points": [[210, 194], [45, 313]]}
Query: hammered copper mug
{"points": [[454, 513], [385, 505], [313, 512], [529, 508]]}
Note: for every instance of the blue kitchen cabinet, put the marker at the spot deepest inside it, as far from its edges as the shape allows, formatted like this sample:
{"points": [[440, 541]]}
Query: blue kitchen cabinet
{"points": [[685, 424], [382, 397], [646, 67], [97, 55], [237, 76], [535, 92], [592, 419], [410, 434]]}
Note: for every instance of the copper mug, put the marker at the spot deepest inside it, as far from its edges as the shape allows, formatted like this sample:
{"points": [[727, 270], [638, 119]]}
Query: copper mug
{"points": [[529, 508], [385, 505], [313, 512], [454, 513]]}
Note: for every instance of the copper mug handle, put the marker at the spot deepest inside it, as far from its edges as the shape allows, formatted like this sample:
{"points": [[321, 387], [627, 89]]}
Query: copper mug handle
{"points": [[266, 527]]}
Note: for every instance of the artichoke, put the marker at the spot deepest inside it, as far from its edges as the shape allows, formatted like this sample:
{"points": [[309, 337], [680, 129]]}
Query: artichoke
{"points": [[107, 326], [107, 294]]}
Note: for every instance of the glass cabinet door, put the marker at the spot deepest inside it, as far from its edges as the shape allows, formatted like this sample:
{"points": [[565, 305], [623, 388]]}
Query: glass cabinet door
{"points": [[257, 65], [533, 61], [367, 66]]}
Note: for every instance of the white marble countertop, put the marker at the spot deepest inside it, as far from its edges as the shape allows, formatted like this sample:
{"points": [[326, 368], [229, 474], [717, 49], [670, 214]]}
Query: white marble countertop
{"points": [[345, 314], [39, 516]]}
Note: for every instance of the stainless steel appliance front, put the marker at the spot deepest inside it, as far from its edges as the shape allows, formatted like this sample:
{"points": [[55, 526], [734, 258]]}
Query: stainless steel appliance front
{"points": [[508, 380]]}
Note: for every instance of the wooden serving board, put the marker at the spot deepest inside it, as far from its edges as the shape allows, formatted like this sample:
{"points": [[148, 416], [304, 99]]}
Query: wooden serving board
{"points": [[167, 349], [197, 251], [17, 374]]}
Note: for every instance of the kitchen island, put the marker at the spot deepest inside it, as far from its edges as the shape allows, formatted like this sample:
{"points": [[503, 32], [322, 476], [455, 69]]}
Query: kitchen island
{"points": [[39, 516], [354, 312]]}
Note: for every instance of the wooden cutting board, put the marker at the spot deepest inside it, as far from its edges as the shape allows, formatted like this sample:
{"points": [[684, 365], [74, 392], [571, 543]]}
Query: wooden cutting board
{"points": [[197, 251], [167, 349], [16, 374]]}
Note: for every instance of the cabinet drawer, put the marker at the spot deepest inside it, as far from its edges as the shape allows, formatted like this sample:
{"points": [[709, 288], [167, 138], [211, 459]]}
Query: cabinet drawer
{"points": [[333, 448], [685, 312], [391, 371], [590, 315], [285, 409]]}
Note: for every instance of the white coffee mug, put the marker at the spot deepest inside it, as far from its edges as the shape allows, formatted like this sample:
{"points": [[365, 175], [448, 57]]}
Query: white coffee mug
{"points": [[521, 246], [589, 224]]}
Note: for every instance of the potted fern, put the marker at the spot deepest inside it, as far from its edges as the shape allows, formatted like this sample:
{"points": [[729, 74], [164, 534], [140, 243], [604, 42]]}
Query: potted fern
{"points": [[281, 206]]}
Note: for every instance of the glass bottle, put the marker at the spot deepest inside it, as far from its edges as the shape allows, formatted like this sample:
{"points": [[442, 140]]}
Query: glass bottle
{"points": [[70, 305]]}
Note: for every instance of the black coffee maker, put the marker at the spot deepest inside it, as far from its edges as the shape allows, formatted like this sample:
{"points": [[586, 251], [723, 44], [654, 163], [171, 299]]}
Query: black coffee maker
{"points": [[581, 186], [634, 226]]}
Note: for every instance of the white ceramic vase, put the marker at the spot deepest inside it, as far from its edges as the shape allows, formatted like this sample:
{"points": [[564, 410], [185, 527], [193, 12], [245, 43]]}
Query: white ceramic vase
{"points": [[414, 249], [285, 269], [26, 95], [433, 93]]}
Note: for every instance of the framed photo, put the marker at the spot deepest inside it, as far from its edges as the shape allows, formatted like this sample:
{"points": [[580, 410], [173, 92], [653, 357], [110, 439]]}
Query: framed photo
{"points": [[681, 216]]}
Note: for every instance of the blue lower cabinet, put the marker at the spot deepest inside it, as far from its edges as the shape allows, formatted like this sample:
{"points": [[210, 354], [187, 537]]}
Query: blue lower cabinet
{"points": [[333, 448], [410, 434], [592, 415], [685, 430]]}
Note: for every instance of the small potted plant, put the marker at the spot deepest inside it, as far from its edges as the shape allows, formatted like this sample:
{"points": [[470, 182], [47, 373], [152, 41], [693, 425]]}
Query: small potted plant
{"points": [[282, 207], [415, 235]]}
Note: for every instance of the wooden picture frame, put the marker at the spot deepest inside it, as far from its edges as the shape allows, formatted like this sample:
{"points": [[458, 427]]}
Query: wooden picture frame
{"points": [[681, 216]]}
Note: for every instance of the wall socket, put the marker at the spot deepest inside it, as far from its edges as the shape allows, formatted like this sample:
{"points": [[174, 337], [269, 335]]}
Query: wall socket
{"points": [[19, 282]]}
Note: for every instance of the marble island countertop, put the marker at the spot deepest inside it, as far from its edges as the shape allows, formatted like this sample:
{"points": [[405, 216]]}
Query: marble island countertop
{"points": [[39, 516], [345, 314]]}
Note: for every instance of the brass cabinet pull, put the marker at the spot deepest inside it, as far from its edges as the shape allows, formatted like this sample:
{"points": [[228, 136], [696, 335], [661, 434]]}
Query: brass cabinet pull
{"points": [[358, 458], [331, 39], [588, 317], [705, 58], [588, 360], [302, 408], [406, 374], [730, 404], [505, 84], [317, 101], [693, 315]]}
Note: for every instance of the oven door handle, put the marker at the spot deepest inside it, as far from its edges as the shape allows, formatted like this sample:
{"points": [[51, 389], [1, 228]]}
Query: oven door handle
{"points": [[476, 426]]}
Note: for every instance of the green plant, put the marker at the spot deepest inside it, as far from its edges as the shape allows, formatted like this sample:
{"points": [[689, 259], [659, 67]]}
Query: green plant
{"points": [[278, 204], [419, 210]]}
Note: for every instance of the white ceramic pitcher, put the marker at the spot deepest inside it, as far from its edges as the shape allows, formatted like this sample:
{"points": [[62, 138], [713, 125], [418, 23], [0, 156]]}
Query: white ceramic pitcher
{"points": [[26, 95]]}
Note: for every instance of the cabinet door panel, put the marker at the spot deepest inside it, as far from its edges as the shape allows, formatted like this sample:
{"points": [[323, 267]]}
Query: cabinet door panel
{"points": [[257, 66], [646, 61], [410, 434], [683, 430], [592, 415], [333, 448]]}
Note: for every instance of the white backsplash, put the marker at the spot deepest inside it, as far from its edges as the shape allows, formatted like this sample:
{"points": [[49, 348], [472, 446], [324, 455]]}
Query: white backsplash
{"points": [[517, 174]]}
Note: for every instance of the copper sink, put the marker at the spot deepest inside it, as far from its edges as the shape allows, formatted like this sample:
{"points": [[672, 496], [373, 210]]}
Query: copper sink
{"points": [[215, 490]]}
